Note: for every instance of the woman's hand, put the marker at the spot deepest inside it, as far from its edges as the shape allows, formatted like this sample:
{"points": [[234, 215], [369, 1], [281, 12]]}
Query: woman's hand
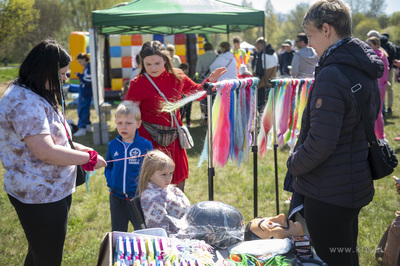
{"points": [[100, 162], [80, 147], [216, 74]]}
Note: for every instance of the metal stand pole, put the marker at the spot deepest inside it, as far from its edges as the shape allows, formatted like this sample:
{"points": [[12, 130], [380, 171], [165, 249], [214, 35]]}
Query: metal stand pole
{"points": [[275, 149], [208, 87], [254, 149]]}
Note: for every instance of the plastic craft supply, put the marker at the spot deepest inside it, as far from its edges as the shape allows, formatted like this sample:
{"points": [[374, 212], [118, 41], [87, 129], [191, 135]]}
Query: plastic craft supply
{"points": [[157, 250], [150, 252], [135, 249], [119, 250], [263, 246], [146, 251], [128, 251], [142, 250]]}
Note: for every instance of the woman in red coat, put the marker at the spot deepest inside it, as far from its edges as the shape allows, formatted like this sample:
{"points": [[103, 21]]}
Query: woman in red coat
{"points": [[172, 83]]}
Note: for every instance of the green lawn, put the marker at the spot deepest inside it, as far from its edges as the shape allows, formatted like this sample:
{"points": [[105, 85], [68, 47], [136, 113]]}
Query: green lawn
{"points": [[89, 218]]}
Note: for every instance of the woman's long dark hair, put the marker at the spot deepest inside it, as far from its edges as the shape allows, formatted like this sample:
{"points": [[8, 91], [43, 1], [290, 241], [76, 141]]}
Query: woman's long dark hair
{"points": [[41, 65], [156, 48]]}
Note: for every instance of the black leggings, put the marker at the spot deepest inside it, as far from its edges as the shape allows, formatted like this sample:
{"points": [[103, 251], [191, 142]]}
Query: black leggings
{"points": [[45, 227], [333, 231]]}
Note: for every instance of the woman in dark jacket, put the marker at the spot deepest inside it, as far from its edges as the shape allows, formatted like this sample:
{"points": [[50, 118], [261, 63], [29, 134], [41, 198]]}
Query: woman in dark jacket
{"points": [[329, 162]]}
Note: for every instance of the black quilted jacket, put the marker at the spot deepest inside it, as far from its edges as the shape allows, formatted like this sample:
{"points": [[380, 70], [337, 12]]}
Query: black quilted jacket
{"points": [[329, 162]]}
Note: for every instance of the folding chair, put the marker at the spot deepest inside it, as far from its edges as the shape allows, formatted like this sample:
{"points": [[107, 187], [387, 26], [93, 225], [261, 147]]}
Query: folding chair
{"points": [[137, 209]]}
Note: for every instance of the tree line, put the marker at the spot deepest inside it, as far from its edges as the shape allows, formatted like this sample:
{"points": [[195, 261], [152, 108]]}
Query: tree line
{"points": [[23, 23]]}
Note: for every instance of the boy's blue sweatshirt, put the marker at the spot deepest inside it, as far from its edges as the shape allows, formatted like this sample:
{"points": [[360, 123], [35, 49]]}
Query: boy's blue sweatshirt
{"points": [[86, 81], [123, 176]]}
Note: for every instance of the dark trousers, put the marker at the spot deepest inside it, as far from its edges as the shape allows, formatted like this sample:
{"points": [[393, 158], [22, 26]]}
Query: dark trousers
{"points": [[186, 111], [333, 231], [261, 99], [84, 103], [121, 213], [45, 227]]}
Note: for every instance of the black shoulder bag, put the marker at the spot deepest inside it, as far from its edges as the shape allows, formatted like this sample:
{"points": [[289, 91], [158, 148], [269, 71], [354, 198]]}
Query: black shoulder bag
{"points": [[382, 159], [80, 173]]}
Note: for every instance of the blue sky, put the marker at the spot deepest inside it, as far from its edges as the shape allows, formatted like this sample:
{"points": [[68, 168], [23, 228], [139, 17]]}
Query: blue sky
{"points": [[284, 6]]}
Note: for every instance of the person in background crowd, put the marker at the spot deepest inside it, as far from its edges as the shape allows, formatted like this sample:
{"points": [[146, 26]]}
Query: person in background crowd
{"points": [[391, 52], [396, 62], [176, 60], [40, 165], [203, 64], [374, 43], [390, 49], [330, 160], [187, 109], [285, 59], [227, 60], [85, 96], [305, 59], [239, 53], [265, 67], [172, 82], [204, 61], [136, 70], [397, 187]]}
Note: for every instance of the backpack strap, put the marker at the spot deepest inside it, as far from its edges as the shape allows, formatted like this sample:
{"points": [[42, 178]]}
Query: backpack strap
{"points": [[359, 93]]}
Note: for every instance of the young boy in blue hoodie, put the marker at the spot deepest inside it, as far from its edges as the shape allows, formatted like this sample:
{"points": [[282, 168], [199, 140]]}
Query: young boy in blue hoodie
{"points": [[122, 175]]}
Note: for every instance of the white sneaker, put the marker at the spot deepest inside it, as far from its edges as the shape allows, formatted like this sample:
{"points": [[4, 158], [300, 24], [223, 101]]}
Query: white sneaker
{"points": [[81, 132], [88, 128], [384, 141]]}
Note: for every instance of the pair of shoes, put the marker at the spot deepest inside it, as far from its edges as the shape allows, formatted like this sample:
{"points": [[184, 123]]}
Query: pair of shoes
{"points": [[384, 141], [189, 124], [89, 128], [81, 132], [288, 200]]}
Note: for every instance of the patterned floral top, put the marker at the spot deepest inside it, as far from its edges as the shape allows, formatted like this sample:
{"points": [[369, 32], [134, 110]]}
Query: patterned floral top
{"points": [[24, 113], [164, 207]]}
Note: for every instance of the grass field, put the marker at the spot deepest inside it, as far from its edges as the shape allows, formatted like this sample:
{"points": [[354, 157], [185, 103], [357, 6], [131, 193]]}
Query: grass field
{"points": [[89, 218]]}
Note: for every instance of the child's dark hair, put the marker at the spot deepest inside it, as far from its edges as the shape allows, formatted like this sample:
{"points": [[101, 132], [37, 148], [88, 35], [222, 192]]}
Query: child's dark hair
{"points": [[42, 65], [184, 66], [83, 56], [237, 39]]}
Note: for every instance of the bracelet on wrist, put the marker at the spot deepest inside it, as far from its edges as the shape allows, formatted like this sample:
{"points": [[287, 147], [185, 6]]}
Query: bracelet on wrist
{"points": [[92, 161]]}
